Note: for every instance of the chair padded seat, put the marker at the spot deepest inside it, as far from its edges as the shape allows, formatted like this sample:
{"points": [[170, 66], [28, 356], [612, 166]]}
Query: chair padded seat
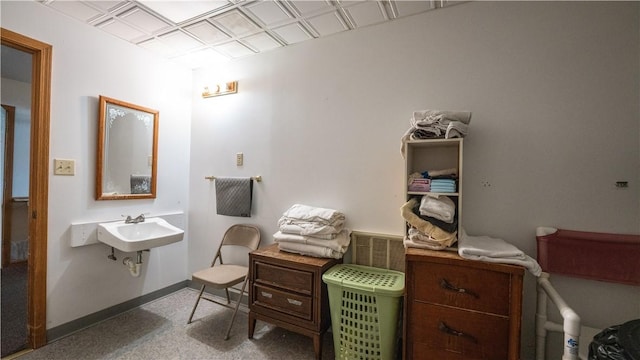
{"points": [[221, 275]]}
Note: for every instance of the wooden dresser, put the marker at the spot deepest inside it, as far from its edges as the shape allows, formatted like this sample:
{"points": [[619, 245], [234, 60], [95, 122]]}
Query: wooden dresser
{"points": [[460, 309], [287, 290]]}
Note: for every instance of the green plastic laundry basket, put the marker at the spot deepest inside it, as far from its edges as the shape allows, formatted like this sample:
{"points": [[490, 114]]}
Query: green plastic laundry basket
{"points": [[365, 304]]}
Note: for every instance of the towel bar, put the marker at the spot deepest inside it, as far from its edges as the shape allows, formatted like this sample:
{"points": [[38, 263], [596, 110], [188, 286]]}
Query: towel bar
{"points": [[257, 178]]}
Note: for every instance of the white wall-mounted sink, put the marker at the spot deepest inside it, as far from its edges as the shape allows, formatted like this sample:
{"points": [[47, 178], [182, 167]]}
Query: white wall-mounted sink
{"points": [[153, 232]]}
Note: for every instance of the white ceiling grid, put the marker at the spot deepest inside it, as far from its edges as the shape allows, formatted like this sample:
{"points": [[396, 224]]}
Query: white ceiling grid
{"points": [[201, 32]]}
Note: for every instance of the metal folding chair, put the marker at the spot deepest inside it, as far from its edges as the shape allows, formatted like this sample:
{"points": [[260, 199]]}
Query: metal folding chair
{"points": [[223, 274]]}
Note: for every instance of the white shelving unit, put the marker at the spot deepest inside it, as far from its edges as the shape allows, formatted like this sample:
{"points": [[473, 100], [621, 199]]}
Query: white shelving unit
{"points": [[435, 154]]}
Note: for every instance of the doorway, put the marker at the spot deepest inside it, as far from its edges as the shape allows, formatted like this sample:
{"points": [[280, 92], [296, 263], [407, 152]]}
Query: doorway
{"points": [[15, 239], [37, 208]]}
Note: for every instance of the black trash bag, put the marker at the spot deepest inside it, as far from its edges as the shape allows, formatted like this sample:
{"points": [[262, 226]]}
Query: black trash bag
{"points": [[619, 342]]}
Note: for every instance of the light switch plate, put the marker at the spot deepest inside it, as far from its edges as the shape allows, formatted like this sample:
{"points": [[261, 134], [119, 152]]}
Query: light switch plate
{"points": [[239, 159], [64, 167]]}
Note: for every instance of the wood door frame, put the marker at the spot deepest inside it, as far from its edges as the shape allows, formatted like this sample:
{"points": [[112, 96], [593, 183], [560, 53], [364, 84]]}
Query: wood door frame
{"points": [[7, 191], [41, 55]]}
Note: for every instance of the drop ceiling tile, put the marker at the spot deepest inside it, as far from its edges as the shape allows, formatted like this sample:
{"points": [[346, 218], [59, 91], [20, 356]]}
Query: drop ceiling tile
{"points": [[148, 23], [366, 13], [208, 33], [262, 42], [306, 7], [179, 11], [328, 24], [158, 47], [109, 5], [179, 40], [76, 9], [120, 29], [269, 12], [143, 20], [292, 33], [202, 58], [236, 23], [234, 49], [406, 8]]}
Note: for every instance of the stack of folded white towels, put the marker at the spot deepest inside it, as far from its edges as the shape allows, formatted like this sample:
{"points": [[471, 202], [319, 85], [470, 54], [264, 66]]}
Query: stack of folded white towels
{"points": [[433, 124], [427, 124], [433, 222], [489, 249], [313, 231]]}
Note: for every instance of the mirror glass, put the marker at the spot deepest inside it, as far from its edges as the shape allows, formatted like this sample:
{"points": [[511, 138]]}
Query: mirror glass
{"points": [[127, 151]]}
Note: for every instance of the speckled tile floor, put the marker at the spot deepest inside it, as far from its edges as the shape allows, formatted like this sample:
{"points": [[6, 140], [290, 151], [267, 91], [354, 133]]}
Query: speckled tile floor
{"points": [[158, 330]]}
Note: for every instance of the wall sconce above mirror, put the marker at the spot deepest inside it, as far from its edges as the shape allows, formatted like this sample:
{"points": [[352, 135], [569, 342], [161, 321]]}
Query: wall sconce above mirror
{"points": [[127, 151], [224, 88]]}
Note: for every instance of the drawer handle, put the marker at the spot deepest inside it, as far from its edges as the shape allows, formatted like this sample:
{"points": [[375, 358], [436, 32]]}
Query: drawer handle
{"points": [[294, 302], [446, 329], [448, 286], [267, 295]]}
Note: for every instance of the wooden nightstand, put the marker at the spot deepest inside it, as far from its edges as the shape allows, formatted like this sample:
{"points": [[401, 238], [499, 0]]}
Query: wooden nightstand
{"points": [[286, 290], [458, 309]]}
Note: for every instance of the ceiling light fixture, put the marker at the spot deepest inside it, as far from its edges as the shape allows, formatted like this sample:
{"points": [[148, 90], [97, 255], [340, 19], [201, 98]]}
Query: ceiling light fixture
{"points": [[220, 89]]}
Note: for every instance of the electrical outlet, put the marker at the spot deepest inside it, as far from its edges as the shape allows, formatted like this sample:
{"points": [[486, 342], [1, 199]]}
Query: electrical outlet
{"points": [[64, 167], [239, 159]]}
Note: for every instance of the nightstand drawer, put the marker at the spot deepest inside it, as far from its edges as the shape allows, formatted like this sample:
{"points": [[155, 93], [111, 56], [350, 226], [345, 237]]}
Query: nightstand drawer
{"points": [[457, 286], [458, 334], [283, 301], [283, 277]]}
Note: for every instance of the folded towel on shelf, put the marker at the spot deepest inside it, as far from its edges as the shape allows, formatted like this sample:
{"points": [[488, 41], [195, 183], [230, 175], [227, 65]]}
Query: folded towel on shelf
{"points": [[427, 117], [233, 196], [456, 129], [428, 124], [448, 227], [419, 187], [340, 243], [409, 243], [443, 182], [485, 248], [439, 207], [443, 185], [441, 172], [422, 134], [442, 189], [408, 213], [417, 239]]}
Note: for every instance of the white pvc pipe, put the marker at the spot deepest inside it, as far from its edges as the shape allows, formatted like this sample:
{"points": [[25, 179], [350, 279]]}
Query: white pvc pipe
{"points": [[571, 320], [541, 320], [544, 231]]}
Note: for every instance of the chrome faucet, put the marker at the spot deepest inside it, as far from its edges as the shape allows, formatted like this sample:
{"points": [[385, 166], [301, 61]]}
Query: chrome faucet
{"points": [[130, 220]]}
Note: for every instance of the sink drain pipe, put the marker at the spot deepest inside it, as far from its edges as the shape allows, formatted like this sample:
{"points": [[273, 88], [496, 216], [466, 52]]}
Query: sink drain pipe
{"points": [[134, 268]]}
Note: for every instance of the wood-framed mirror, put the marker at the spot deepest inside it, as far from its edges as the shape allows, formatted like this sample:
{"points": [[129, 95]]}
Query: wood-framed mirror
{"points": [[127, 151]]}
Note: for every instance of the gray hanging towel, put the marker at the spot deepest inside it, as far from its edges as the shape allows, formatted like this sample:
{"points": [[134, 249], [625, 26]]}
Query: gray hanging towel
{"points": [[233, 196]]}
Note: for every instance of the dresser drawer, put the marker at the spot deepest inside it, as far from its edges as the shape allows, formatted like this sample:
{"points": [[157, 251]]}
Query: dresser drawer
{"points": [[457, 334], [458, 286], [283, 277], [283, 301]]}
